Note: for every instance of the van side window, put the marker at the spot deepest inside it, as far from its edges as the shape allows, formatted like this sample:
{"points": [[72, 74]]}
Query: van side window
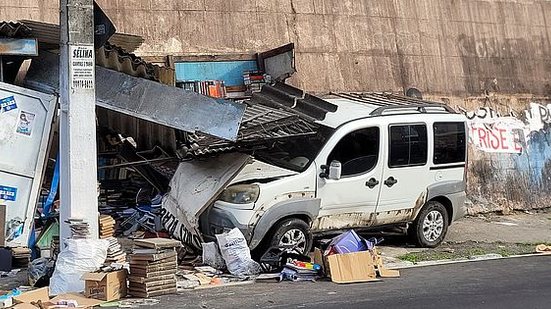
{"points": [[408, 145], [358, 151], [449, 142]]}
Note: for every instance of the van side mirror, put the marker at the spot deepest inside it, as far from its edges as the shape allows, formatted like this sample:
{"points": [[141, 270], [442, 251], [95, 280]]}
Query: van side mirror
{"points": [[331, 171]]}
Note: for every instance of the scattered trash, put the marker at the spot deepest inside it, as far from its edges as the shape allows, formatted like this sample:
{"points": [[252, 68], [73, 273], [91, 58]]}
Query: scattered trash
{"points": [[6, 300], [236, 254], [294, 272], [134, 303], [350, 258], [543, 248], [20, 257], [40, 271], [11, 273], [212, 256], [80, 256]]}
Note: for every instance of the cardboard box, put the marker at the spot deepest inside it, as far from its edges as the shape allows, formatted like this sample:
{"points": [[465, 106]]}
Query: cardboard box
{"points": [[42, 294], [105, 286], [351, 267]]}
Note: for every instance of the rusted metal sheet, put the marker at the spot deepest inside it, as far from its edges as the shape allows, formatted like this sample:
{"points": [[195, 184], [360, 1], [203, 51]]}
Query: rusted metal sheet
{"points": [[148, 100]]}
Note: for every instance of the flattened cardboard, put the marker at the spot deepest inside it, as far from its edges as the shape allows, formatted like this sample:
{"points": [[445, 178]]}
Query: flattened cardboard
{"points": [[82, 301], [42, 294], [352, 267]]}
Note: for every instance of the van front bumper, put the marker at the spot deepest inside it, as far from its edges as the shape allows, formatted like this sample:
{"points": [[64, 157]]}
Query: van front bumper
{"points": [[218, 220]]}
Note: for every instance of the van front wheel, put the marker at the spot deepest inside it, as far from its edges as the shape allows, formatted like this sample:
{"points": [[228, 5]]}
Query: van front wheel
{"points": [[430, 227], [292, 232]]}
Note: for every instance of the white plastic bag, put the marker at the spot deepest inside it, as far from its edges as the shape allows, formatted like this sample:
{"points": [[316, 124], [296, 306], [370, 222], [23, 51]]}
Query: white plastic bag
{"points": [[80, 256], [212, 256], [236, 253]]}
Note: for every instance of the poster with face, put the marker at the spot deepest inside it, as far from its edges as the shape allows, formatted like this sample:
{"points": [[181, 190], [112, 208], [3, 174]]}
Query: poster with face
{"points": [[25, 123]]}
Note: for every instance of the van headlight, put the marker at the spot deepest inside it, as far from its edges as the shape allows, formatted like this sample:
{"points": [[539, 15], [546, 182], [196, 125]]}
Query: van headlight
{"points": [[240, 194]]}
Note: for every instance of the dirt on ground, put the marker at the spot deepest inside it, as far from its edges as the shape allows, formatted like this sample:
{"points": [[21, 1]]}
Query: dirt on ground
{"points": [[472, 237]]}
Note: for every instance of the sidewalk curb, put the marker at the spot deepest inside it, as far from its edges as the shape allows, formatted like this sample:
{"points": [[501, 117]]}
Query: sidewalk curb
{"points": [[463, 260]]}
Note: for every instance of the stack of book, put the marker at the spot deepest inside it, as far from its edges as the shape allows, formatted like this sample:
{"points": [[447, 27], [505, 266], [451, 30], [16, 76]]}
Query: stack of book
{"points": [[115, 254], [106, 226], [293, 272], [153, 267], [79, 228], [254, 80], [20, 257], [211, 88]]}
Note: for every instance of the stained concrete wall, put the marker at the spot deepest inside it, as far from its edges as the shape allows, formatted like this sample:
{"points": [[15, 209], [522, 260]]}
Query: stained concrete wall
{"points": [[446, 47], [452, 50]]}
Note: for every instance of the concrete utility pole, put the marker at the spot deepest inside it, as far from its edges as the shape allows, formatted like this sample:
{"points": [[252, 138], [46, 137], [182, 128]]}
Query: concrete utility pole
{"points": [[78, 166]]}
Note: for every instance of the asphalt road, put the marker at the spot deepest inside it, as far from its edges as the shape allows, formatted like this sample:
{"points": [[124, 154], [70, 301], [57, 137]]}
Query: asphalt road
{"points": [[507, 283]]}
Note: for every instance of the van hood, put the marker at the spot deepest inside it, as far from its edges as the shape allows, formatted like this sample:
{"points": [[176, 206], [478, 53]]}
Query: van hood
{"points": [[258, 171]]}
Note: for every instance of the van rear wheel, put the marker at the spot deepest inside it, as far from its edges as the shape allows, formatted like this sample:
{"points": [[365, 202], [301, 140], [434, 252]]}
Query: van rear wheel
{"points": [[431, 225], [292, 232]]}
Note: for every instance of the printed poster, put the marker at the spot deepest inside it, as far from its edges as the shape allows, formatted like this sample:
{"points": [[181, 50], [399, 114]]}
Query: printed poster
{"points": [[25, 123], [7, 104], [8, 193]]}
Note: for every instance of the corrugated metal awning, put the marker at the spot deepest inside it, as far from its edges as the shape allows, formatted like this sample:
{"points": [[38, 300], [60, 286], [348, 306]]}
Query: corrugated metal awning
{"points": [[148, 100]]}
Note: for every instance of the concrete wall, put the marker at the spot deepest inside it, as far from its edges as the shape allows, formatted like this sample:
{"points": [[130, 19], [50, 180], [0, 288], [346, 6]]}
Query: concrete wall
{"points": [[439, 46], [470, 53]]}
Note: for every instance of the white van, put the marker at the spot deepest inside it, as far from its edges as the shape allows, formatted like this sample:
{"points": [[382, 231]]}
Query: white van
{"points": [[375, 162]]}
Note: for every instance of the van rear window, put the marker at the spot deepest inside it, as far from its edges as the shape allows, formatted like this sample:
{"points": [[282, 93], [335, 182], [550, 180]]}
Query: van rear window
{"points": [[449, 142], [408, 145]]}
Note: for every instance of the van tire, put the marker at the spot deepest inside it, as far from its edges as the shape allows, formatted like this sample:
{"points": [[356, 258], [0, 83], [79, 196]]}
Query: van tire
{"points": [[431, 225], [289, 230]]}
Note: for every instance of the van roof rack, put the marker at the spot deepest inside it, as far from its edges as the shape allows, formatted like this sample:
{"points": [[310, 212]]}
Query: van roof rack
{"points": [[390, 102]]}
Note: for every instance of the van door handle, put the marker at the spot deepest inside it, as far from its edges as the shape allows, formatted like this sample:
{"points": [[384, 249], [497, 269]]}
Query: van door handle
{"points": [[390, 181], [371, 183]]}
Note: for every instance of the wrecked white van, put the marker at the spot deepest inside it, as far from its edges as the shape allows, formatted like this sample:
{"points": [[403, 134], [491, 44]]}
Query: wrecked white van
{"points": [[372, 164]]}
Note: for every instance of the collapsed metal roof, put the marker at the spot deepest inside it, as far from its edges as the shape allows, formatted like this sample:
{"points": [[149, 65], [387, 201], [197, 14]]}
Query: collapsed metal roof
{"points": [[116, 58], [148, 100], [279, 111]]}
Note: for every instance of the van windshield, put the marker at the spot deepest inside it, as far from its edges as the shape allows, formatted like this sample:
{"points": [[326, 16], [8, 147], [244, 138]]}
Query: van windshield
{"points": [[297, 153]]}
